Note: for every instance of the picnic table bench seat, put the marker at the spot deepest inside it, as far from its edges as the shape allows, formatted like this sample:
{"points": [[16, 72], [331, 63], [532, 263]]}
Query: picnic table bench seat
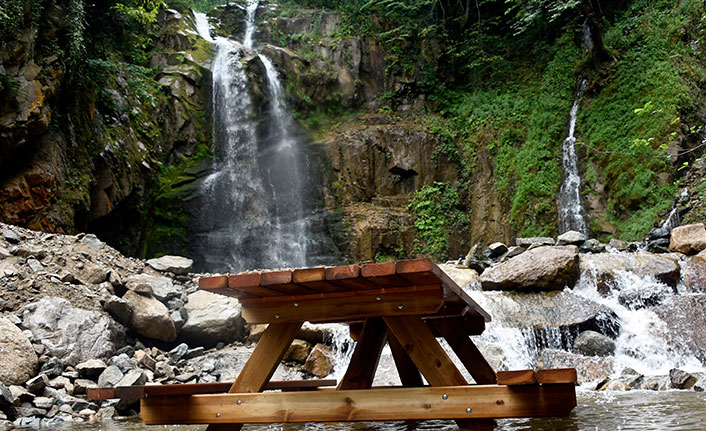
{"points": [[406, 305]]}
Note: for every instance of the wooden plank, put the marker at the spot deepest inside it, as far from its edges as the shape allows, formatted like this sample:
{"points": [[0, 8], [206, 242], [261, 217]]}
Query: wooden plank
{"points": [[355, 330], [243, 283], [557, 375], [420, 271], [383, 274], [215, 282], [453, 332], [516, 377], [282, 281], [315, 279], [348, 277], [484, 401], [140, 391], [408, 372], [426, 353], [344, 306], [364, 362]]}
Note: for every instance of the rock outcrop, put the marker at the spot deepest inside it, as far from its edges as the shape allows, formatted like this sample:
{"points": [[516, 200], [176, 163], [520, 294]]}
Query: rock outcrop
{"points": [[150, 317], [689, 239], [541, 268], [18, 360]]}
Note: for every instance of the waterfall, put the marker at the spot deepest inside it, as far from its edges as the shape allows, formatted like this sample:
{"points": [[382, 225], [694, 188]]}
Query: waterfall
{"points": [[571, 214], [251, 210]]}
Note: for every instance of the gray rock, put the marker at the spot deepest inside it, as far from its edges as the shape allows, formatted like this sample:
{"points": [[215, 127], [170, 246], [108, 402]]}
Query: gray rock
{"points": [[91, 369], [212, 318], [6, 402], [591, 343], [496, 249], [535, 240], [72, 334], [126, 350], [592, 245], [21, 395], [175, 264], [35, 265], [145, 359], [81, 385], [110, 377], [161, 288], [476, 260], [52, 368], [151, 318], [178, 319], [18, 361], [178, 352], [618, 244], [4, 253], [680, 379], [162, 369], [91, 273], [605, 268], [120, 308], [43, 402], [642, 295], [684, 320], [132, 378], [542, 268], [59, 382], [123, 362], [11, 237], [92, 241], [571, 238], [588, 369], [195, 352], [658, 232]]}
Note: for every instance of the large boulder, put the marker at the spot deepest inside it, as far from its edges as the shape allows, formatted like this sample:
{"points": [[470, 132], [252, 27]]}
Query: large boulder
{"points": [[175, 264], [72, 334], [693, 270], [684, 322], [160, 287], [18, 361], [605, 268], [592, 343], [150, 317], [588, 368], [320, 361], [688, 239], [542, 268], [211, 319]]}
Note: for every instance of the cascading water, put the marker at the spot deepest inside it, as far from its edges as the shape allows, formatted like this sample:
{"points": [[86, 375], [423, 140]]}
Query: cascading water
{"points": [[571, 213], [251, 210]]}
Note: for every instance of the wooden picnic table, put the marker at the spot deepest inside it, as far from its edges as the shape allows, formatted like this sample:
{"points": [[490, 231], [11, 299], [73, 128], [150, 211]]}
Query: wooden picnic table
{"points": [[407, 304]]}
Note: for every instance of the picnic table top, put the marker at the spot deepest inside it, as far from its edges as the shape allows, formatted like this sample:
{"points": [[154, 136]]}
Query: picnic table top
{"points": [[404, 278]]}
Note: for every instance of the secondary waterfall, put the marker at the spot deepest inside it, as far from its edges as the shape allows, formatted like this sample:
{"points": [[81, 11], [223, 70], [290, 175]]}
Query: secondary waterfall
{"points": [[252, 210], [571, 213]]}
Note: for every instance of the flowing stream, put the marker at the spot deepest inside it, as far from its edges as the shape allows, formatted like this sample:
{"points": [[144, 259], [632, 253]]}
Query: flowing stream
{"points": [[571, 213], [252, 207]]}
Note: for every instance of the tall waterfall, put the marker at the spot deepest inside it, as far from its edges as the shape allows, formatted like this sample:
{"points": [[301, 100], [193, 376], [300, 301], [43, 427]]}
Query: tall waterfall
{"points": [[251, 212], [571, 213]]}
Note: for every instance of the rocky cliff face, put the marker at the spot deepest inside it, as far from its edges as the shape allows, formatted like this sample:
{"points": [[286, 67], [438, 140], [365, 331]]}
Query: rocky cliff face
{"points": [[73, 155]]}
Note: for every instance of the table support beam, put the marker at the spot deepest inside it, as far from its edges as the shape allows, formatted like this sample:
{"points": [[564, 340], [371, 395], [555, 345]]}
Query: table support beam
{"points": [[364, 362]]}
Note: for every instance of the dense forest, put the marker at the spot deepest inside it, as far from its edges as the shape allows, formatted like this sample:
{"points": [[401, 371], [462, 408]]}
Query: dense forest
{"points": [[497, 79]]}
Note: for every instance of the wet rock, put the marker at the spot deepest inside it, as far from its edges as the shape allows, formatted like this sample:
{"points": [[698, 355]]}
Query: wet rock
{"points": [[496, 249], [542, 268], [534, 241], [461, 275], [658, 246], [591, 343], [18, 361], [592, 245], [588, 369], [120, 308], [684, 320], [110, 377], [52, 368], [91, 369], [571, 237], [476, 260], [680, 379], [694, 273], [150, 317], [92, 241], [688, 239], [175, 264], [615, 385], [320, 361], [605, 268], [641, 295], [72, 334], [631, 378], [618, 244], [211, 318], [298, 352]]}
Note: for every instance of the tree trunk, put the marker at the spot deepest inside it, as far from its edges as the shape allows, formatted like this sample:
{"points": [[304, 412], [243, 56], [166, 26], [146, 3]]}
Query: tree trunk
{"points": [[593, 14]]}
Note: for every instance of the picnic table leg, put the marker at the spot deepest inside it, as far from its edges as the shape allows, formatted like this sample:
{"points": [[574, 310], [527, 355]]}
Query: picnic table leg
{"points": [[454, 334], [409, 374], [431, 359], [364, 362], [262, 364]]}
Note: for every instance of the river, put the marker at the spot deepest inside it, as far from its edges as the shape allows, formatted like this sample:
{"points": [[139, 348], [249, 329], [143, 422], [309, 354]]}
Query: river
{"points": [[632, 410]]}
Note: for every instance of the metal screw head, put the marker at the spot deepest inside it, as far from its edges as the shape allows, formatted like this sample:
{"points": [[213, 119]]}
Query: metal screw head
{"points": [[445, 397], [218, 415], [378, 298], [239, 402], [469, 410], [276, 316], [399, 307], [296, 304]]}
